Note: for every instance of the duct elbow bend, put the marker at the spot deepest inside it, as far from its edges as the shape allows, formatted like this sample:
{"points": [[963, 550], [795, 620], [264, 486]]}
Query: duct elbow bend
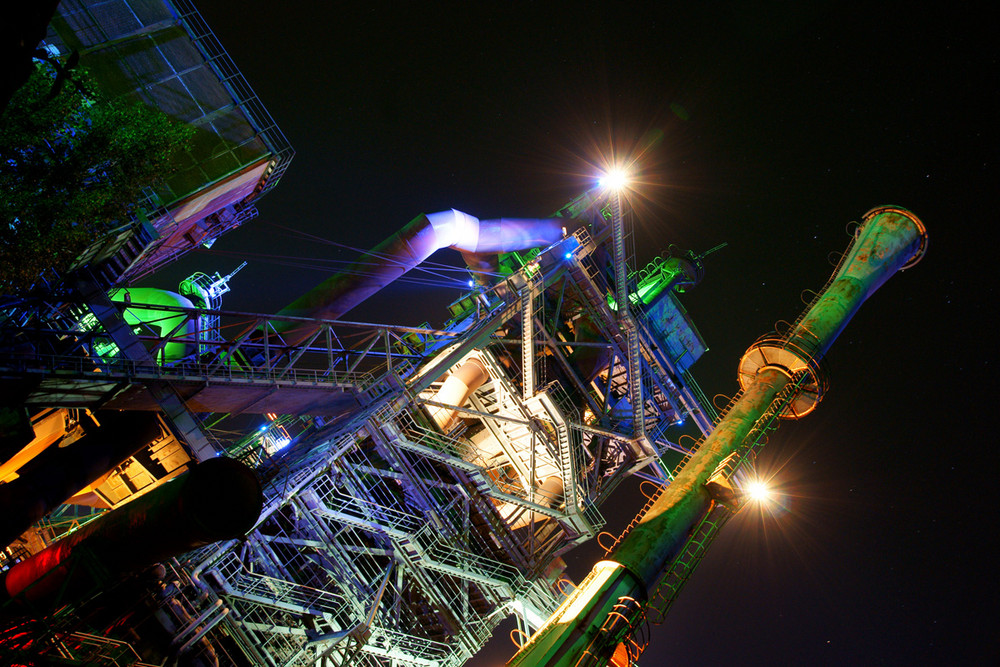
{"points": [[465, 232], [456, 390], [455, 229]]}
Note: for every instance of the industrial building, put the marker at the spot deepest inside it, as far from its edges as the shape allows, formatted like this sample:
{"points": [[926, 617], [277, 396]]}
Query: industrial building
{"points": [[229, 488], [165, 56]]}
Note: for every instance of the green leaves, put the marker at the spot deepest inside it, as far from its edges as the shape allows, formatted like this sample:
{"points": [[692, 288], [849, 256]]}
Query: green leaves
{"points": [[71, 169]]}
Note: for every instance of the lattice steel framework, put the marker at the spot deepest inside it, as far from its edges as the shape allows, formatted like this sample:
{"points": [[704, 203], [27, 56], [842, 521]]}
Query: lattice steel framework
{"points": [[385, 539]]}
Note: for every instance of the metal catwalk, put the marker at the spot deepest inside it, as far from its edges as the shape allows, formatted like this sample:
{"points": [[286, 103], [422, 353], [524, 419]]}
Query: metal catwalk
{"points": [[420, 484]]}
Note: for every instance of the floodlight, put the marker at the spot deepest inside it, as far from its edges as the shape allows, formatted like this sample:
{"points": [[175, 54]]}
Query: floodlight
{"points": [[758, 491], [615, 179]]}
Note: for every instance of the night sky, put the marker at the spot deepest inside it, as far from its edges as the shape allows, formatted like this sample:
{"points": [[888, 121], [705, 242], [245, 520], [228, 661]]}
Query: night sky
{"points": [[768, 129]]}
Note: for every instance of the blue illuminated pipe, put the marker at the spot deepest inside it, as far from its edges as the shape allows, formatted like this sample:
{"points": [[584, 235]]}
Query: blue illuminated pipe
{"points": [[404, 250]]}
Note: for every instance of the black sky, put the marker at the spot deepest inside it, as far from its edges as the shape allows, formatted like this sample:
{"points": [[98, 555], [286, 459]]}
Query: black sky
{"points": [[779, 126]]}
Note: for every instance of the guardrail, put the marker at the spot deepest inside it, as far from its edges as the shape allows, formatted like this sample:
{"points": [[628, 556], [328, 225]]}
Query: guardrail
{"points": [[96, 368]]}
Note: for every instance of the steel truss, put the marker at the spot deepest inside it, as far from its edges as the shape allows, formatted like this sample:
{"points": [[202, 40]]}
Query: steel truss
{"points": [[384, 539]]}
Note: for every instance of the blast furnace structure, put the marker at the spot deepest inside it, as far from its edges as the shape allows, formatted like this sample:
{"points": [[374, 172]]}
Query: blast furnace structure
{"points": [[183, 482]]}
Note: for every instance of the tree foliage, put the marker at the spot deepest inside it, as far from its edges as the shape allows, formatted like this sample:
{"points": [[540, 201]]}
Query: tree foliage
{"points": [[73, 167]]}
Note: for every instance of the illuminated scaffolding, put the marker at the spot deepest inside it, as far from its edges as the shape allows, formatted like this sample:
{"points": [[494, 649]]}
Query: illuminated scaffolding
{"points": [[401, 524], [420, 484]]}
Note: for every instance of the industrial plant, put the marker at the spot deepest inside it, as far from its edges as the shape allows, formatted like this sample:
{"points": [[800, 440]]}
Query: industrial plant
{"points": [[186, 484]]}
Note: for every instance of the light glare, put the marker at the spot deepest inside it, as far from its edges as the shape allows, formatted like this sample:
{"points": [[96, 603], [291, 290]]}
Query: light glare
{"points": [[616, 179], [758, 491]]}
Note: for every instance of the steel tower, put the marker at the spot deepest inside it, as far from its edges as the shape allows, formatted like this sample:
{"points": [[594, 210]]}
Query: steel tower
{"points": [[187, 482], [419, 484]]}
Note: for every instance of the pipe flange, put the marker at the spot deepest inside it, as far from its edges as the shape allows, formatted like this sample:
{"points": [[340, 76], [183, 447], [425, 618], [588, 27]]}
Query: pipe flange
{"points": [[778, 354]]}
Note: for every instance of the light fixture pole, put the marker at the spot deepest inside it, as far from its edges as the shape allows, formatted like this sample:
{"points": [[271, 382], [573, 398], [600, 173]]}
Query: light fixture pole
{"points": [[616, 182]]}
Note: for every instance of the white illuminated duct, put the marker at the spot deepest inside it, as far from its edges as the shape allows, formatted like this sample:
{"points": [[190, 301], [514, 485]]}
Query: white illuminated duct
{"points": [[407, 248], [456, 391], [548, 494]]}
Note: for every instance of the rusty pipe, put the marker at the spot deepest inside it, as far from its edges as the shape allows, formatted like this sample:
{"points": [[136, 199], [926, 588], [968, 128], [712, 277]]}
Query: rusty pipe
{"points": [[890, 239]]}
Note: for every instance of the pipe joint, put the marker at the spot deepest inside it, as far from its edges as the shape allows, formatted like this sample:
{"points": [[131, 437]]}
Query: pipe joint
{"points": [[455, 229]]}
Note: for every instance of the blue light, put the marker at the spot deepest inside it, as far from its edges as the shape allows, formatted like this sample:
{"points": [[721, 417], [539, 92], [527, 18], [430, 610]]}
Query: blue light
{"points": [[263, 428], [472, 283], [569, 255]]}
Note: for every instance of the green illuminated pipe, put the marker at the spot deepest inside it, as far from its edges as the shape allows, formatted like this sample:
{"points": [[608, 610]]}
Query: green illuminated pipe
{"points": [[890, 239], [163, 322], [664, 275], [652, 544]]}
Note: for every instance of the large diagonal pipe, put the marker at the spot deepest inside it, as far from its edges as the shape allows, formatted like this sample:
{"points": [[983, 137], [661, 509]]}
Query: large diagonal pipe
{"points": [[218, 499], [578, 633], [404, 250], [57, 473]]}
